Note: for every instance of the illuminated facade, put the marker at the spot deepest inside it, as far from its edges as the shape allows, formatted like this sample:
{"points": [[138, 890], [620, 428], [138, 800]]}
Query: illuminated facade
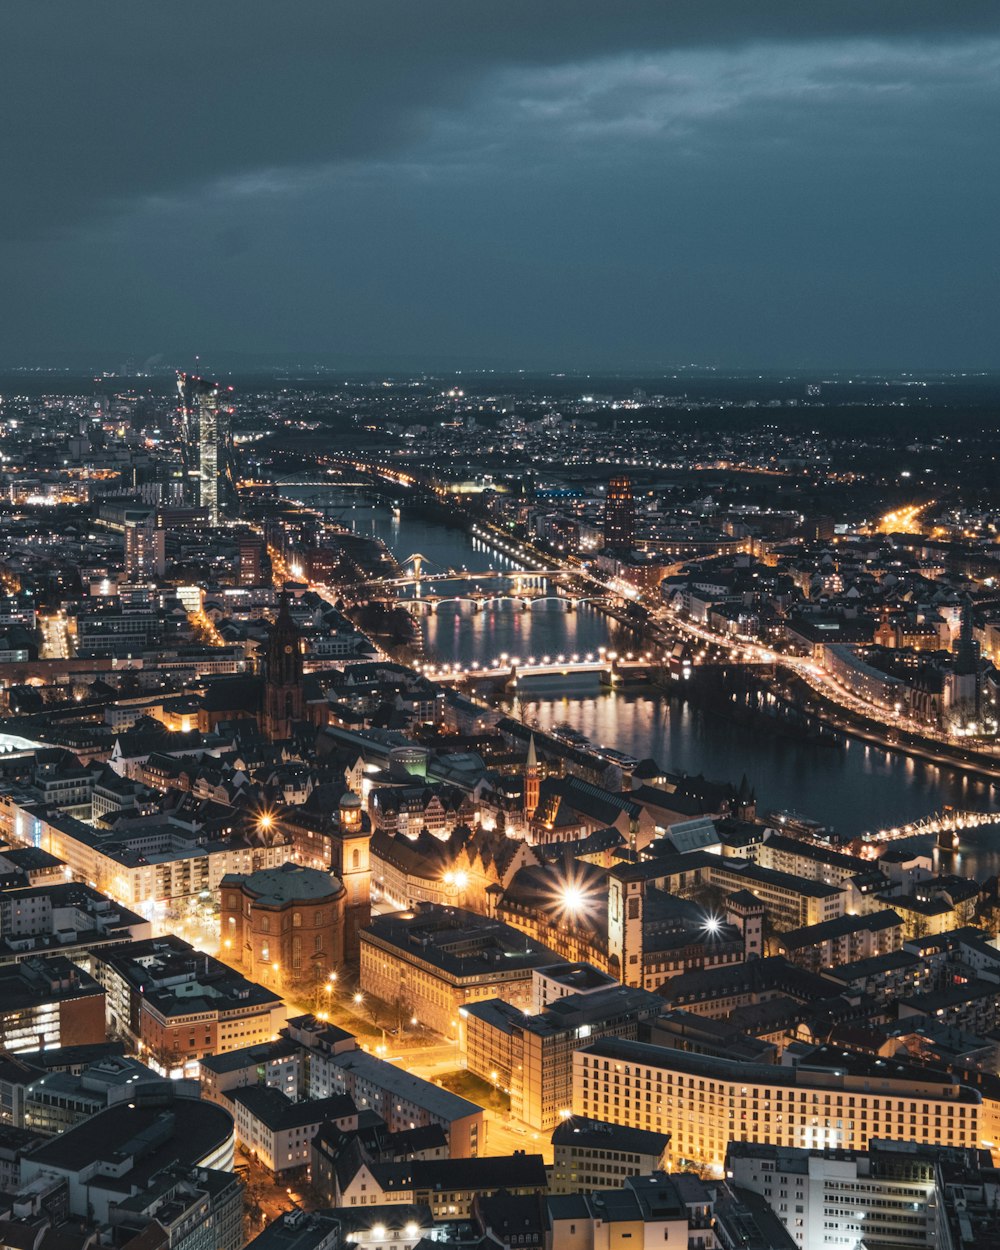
{"points": [[145, 550], [704, 1103], [531, 1056], [286, 924], [251, 551], [431, 961], [199, 404], [884, 1196], [351, 862], [45, 1003], [174, 1005], [531, 780], [619, 514]]}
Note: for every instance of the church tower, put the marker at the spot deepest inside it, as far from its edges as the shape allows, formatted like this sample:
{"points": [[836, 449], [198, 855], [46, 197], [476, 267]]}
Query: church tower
{"points": [[744, 803], [351, 862], [283, 698], [531, 780], [885, 635]]}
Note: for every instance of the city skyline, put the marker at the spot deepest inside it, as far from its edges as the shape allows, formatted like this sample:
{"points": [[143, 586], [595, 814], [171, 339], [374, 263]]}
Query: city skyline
{"points": [[499, 625], [503, 187]]}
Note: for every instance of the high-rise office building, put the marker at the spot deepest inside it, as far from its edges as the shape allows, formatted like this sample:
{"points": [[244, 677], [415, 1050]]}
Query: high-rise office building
{"points": [[251, 560], [619, 514], [200, 405], [145, 550]]}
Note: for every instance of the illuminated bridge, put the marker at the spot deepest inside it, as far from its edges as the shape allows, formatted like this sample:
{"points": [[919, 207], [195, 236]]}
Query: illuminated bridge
{"points": [[609, 665], [945, 826]]}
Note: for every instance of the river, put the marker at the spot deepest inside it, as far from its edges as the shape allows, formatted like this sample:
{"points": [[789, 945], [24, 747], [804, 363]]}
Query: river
{"points": [[854, 789]]}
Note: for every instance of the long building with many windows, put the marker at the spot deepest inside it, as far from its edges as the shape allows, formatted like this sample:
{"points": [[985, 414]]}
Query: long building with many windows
{"points": [[830, 1098]]}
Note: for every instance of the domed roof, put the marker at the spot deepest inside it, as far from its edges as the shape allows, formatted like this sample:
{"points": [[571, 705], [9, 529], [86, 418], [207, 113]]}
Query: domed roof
{"points": [[292, 883], [350, 801]]}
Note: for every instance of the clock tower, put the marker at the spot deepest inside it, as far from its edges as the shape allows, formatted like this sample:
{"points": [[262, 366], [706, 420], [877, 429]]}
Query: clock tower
{"points": [[283, 701]]}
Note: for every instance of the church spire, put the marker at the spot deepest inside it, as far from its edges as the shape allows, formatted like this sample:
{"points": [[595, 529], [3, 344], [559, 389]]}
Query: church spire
{"points": [[531, 780]]}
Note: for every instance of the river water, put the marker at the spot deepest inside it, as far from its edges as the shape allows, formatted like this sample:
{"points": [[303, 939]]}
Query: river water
{"points": [[854, 789]]}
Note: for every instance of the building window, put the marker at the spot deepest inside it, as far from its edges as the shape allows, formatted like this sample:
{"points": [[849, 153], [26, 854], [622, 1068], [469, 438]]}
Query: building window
{"points": [[297, 919]]}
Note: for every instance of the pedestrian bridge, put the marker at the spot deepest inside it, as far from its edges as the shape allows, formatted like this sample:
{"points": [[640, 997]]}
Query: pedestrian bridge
{"points": [[520, 601], [944, 826], [609, 665]]}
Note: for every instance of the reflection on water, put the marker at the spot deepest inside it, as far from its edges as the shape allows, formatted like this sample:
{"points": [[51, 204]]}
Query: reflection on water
{"points": [[458, 634], [455, 632], [854, 789]]}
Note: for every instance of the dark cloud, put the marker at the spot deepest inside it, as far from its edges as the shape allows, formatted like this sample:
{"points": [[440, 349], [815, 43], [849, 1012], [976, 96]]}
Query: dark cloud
{"points": [[113, 99], [555, 179]]}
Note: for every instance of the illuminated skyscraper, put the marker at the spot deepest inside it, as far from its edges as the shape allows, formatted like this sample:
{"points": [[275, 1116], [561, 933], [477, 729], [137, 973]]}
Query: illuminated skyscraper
{"points": [[199, 404], [619, 514], [251, 560]]}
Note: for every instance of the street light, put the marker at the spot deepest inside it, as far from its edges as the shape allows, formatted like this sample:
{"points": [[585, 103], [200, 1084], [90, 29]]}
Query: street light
{"points": [[572, 898]]}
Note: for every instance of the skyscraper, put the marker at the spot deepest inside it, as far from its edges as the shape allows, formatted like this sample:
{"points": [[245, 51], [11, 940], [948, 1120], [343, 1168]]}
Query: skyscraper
{"points": [[251, 559], [199, 404], [145, 549], [619, 514]]}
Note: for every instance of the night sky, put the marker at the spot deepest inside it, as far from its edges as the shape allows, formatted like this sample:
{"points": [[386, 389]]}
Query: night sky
{"points": [[523, 183]]}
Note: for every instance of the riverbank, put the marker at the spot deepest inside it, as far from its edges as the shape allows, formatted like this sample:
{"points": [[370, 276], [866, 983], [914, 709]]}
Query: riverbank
{"points": [[859, 787], [897, 738]]}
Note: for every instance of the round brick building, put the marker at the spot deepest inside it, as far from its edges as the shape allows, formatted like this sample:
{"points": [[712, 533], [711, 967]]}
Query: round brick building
{"points": [[283, 927]]}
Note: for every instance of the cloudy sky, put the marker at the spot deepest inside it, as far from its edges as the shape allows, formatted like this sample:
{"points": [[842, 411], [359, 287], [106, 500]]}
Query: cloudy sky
{"points": [[513, 183]]}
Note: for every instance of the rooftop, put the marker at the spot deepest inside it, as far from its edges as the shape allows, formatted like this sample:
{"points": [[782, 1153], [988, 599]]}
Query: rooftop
{"points": [[580, 1130], [380, 1074], [820, 1067], [291, 883], [458, 943], [276, 1110], [128, 1144]]}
